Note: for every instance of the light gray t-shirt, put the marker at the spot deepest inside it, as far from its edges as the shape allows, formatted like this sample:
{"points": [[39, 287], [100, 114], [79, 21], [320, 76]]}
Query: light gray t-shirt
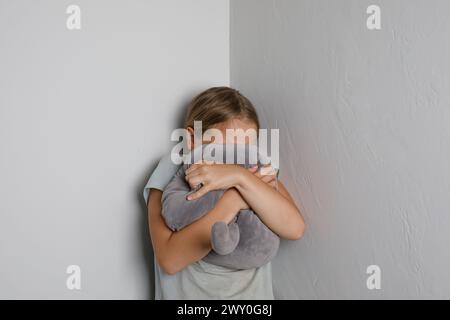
{"points": [[202, 280]]}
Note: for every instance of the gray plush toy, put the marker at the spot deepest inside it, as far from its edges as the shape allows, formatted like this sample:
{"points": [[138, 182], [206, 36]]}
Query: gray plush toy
{"points": [[244, 243]]}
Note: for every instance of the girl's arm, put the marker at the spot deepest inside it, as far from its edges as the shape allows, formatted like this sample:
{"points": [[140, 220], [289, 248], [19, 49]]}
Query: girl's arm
{"points": [[275, 208], [176, 250]]}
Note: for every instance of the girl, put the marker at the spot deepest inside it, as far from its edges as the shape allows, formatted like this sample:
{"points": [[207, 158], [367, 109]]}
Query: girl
{"points": [[179, 271]]}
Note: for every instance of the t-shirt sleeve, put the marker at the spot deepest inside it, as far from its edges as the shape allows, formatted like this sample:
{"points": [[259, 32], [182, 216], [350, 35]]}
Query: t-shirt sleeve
{"points": [[161, 176]]}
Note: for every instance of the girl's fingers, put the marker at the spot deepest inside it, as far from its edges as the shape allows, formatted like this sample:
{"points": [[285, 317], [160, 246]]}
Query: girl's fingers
{"points": [[257, 173], [271, 181], [192, 174], [194, 180], [268, 170], [267, 174], [253, 169], [192, 168], [199, 164], [199, 193], [268, 179]]}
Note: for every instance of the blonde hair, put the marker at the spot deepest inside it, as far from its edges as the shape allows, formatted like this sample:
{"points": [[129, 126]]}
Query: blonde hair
{"points": [[219, 104]]}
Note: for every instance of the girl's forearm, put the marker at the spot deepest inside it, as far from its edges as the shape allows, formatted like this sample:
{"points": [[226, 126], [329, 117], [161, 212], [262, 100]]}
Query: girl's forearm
{"points": [[176, 250], [277, 211]]}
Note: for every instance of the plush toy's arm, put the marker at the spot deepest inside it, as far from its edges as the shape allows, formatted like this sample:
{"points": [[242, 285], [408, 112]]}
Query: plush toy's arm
{"points": [[257, 245], [179, 212]]}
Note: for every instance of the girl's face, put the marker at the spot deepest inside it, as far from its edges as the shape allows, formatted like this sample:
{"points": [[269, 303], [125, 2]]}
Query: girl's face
{"points": [[243, 131]]}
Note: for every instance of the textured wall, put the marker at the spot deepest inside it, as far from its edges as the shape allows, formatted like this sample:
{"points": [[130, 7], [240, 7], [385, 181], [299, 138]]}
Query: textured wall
{"points": [[84, 116], [364, 118]]}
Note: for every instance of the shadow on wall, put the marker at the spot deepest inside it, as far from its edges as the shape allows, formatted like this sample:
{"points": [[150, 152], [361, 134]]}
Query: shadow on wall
{"points": [[142, 227]]}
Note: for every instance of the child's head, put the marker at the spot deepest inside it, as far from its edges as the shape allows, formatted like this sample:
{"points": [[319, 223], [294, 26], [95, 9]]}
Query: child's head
{"points": [[221, 108]]}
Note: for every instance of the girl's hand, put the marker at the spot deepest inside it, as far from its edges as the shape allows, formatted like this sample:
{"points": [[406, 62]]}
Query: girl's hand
{"points": [[266, 174], [212, 177]]}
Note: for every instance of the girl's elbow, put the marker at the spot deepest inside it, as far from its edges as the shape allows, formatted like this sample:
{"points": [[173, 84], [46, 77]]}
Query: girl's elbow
{"points": [[170, 270], [298, 232], [169, 266]]}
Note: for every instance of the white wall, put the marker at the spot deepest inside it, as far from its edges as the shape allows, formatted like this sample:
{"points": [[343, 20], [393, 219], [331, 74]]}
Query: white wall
{"points": [[364, 119], [84, 116]]}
